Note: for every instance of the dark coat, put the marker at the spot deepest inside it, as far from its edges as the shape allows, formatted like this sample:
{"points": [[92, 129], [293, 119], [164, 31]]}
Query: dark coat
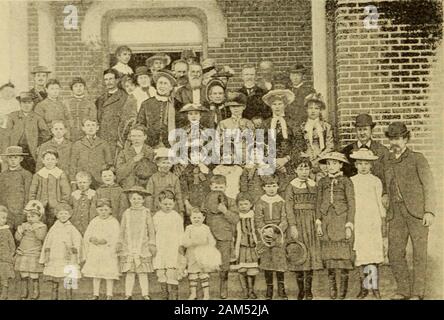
{"points": [[32, 126], [378, 165], [183, 96], [296, 112], [255, 105], [108, 113], [415, 181], [90, 157], [38, 96]]}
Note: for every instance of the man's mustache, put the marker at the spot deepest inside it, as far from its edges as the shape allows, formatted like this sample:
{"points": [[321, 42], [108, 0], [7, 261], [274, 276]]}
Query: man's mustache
{"points": [[394, 147]]}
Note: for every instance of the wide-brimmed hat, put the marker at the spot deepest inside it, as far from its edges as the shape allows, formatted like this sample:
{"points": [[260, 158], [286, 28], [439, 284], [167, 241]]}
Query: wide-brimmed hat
{"points": [[396, 130], [236, 99], [297, 68], [25, 96], [137, 189], [35, 206], [364, 120], [296, 252], [8, 84], [208, 65], [333, 156], [40, 69], [166, 59], [193, 107], [213, 83], [14, 151], [278, 94], [165, 73], [224, 72], [315, 97], [364, 154], [161, 153], [142, 70]]}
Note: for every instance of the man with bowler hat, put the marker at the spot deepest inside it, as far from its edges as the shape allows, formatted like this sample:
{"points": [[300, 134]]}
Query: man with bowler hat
{"points": [[364, 127], [410, 188]]}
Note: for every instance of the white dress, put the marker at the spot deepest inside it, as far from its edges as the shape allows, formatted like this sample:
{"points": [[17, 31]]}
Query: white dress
{"points": [[368, 242], [101, 260], [169, 234]]}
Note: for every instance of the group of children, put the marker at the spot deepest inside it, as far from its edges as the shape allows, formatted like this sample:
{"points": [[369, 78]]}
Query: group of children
{"points": [[307, 227]]}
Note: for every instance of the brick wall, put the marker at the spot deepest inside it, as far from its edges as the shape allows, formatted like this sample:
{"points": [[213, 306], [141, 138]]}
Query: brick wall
{"points": [[279, 30], [386, 71], [265, 30]]}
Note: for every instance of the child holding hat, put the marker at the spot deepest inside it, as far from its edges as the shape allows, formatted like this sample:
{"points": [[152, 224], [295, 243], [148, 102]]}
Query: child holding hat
{"points": [[335, 212], [370, 212], [30, 235]]}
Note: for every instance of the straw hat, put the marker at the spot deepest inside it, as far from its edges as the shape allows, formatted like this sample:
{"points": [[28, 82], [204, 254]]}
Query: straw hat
{"points": [[315, 97], [333, 156], [364, 154], [166, 59], [14, 151], [193, 107], [296, 253], [25, 96], [284, 94], [164, 73]]}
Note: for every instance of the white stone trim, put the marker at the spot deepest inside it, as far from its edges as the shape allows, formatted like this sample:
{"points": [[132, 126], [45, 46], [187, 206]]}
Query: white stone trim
{"points": [[319, 42], [46, 35], [216, 24]]}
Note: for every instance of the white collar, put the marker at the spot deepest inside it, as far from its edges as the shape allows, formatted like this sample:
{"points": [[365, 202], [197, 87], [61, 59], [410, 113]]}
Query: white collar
{"points": [[123, 68], [273, 199], [397, 156], [138, 149], [299, 85], [333, 176], [249, 214], [113, 91], [367, 144], [300, 184], [44, 172]]}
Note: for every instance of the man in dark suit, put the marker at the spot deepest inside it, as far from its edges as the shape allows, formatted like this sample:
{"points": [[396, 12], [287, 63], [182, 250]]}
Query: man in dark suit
{"points": [[38, 92], [364, 126], [410, 188], [109, 106], [296, 112], [255, 106]]}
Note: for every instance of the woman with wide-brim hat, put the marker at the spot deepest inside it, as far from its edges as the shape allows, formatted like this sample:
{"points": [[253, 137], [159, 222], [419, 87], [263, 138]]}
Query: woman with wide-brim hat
{"points": [[318, 134], [370, 212], [288, 140], [158, 62]]}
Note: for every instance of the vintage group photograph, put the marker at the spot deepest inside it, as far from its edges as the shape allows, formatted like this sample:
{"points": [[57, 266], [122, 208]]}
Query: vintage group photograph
{"points": [[221, 150]]}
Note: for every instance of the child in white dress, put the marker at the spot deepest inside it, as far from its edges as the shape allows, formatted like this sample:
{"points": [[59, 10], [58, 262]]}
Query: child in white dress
{"points": [[168, 225], [201, 254], [62, 253], [100, 242], [369, 215]]}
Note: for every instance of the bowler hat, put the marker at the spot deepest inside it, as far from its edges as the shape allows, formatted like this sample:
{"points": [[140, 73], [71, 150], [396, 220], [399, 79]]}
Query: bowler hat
{"points": [[40, 69], [193, 107], [278, 94], [296, 252], [165, 73], [236, 99], [14, 151], [396, 130], [137, 189], [315, 97], [142, 70], [333, 156], [25, 96], [159, 56], [297, 68], [364, 120]]}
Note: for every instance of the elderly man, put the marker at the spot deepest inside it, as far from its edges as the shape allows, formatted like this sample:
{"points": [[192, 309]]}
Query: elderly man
{"points": [[410, 187], [266, 72], [158, 113], [255, 105], [180, 70], [192, 92], [296, 111], [40, 74], [109, 107]]}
